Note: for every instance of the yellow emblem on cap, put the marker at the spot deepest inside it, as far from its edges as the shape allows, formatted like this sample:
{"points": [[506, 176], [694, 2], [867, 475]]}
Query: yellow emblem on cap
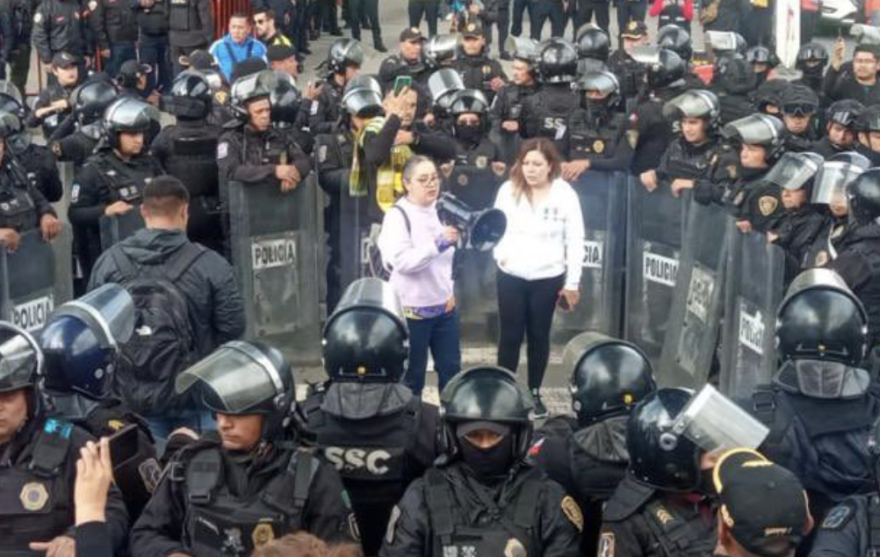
{"points": [[115, 425], [573, 512], [767, 204], [262, 534], [471, 27], [361, 370], [33, 496], [220, 97], [599, 146], [633, 25]]}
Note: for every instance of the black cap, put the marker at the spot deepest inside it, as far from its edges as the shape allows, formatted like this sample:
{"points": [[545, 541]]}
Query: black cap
{"points": [[635, 30], [762, 504], [132, 67], [279, 53], [412, 34], [246, 67], [64, 60], [199, 60], [472, 29]]}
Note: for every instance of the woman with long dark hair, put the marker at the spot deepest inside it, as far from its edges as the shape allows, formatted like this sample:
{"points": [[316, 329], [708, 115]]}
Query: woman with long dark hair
{"points": [[539, 259]]}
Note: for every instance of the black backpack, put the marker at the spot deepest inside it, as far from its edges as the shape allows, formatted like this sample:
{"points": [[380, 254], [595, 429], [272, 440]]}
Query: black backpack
{"points": [[163, 343]]}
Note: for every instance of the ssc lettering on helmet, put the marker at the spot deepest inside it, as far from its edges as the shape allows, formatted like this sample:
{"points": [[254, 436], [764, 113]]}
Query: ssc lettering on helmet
{"points": [[32, 315], [274, 252], [751, 330], [343, 459], [592, 254]]}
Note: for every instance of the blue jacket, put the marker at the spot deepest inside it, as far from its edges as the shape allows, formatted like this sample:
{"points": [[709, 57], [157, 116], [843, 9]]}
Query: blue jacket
{"points": [[228, 53]]}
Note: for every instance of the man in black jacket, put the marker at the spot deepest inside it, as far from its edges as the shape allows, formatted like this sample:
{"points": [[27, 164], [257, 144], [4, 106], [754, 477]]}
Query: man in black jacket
{"points": [[62, 25], [116, 30], [190, 27], [857, 81]]}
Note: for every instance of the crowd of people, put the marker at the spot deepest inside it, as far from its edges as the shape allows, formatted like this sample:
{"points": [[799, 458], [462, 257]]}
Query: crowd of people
{"points": [[145, 417]]}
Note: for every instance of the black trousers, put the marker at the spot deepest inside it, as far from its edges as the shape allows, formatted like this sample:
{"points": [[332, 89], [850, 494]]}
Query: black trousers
{"points": [[503, 24], [525, 308], [586, 11], [629, 11], [541, 12], [424, 8], [519, 8], [370, 8]]}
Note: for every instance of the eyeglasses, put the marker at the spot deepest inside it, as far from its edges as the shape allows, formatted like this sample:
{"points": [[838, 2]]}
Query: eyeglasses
{"points": [[426, 180], [799, 109]]}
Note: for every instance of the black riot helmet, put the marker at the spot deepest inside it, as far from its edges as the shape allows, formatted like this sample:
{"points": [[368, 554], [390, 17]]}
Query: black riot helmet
{"points": [[695, 103], [664, 67], [250, 88], [21, 363], [844, 112], [11, 99], [659, 456], [131, 115], [285, 100], [760, 54], [344, 53], [92, 98], [10, 125], [469, 101], [486, 394], [191, 97], [758, 129], [81, 341], [821, 319], [812, 58], [864, 197], [603, 82], [674, 38], [727, 44], [609, 376], [443, 85], [366, 339], [769, 94], [362, 97], [439, 50], [593, 42], [557, 61], [868, 120], [244, 378], [798, 99]]}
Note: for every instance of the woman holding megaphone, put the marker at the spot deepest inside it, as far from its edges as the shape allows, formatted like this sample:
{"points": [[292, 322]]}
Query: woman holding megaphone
{"points": [[418, 250], [539, 258]]}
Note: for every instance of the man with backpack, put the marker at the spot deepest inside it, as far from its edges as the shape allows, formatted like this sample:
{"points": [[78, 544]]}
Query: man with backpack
{"points": [[187, 303]]}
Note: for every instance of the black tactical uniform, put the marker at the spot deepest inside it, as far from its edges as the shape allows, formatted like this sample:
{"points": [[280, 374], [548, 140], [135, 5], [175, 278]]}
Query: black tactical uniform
{"points": [[326, 109], [800, 100], [214, 501], [851, 528], [76, 136], [587, 455], [116, 28], [545, 113], [484, 502], [21, 204], [53, 92], [820, 378], [396, 65], [478, 71], [38, 467], [630, 74], [39, 165], [735, 84], [596, 131], [368, 425], [473, 147], [190, 27], [62, 25]]}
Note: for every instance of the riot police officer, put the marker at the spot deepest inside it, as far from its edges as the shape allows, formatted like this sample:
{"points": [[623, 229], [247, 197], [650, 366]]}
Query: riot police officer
{"points": [[188, 151], [545, 113], [477, 69], [364, 420], [508, 103], [595, 133], [867, 128], [483, 498], [812, 58], [80, 345], [77, 136], [829, 196], [22, 206], [344, 60], [821, 341], [53, 104], [767, 96], [247, 483], [630, 73], [39, 460], [470, 128], [676, 39], [593, 47], [112, 181], [587, 453], [734, 82], [762, 60], [799, 108], [840, 120], [408, 62]]}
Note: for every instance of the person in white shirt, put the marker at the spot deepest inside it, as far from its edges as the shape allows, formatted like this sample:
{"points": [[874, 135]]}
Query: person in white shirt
{"points": [[539, 258]]}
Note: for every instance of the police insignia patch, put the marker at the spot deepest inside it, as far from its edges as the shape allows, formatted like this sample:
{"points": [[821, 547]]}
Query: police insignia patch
{"points": [[115, 425], [606, 545], [767, 204], [262, 534], [514, 548], [599, 146], [821, 258], [471, 27], [33, 496], [482, 162], [732, 171], [151, 473], [220, 97], [462, 180], [837, 517], [573, 512]]}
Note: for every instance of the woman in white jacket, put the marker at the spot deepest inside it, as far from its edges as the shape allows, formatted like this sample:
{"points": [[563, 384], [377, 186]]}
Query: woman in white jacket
{"points": [[539, 259]]}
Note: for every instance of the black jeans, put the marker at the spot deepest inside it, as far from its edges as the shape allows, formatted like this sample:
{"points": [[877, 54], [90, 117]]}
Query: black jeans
{"points": [[423, 8], [503, 24], [586, 11], [629, 11], [541, 12], [519, 7], [371, 9], [525, 307], [154, 52]]}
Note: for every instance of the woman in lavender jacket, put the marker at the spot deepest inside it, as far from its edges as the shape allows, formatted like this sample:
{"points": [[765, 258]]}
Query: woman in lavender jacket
{"points": [[418, 249]]}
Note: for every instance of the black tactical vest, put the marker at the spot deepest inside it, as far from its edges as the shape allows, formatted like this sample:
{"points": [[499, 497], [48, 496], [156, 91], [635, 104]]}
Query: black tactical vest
{"points": [[17, 208], [126, 182], [592, 139], [184, 16], [678, 535]]}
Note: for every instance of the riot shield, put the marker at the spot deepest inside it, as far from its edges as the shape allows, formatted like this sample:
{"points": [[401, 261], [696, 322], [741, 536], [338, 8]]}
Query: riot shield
{"points": [[274, 244], [27, 282], [654, 228], [475, 286], [755, 286], [603, 204], [119, 227], [194, 163], [358, 253], [695, 314]]}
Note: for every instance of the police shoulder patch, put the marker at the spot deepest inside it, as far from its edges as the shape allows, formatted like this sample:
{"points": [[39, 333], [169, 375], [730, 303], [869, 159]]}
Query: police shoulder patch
{"points": [[606, 545], [767, 204], [262, 534], [573, 512], [837, 517]]}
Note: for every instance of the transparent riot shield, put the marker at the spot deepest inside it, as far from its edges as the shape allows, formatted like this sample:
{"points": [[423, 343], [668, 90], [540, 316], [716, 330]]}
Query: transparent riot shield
{"points": [[696, 310], [27, 282], [119, 227], [755, 287], [475, 272], [654, 228], [603, 204], [274, 243], [359, 255]]}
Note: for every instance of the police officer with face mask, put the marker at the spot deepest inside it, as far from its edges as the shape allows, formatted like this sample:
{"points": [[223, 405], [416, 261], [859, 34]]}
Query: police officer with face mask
{"points": [[77, 136], [545, 113], [38, 457], [840, 121], [364, 421], [484, 499], [821, 339], [470, 129], [112, 181], [81, 344], [587, 453], [248, 483], [595, 133]]}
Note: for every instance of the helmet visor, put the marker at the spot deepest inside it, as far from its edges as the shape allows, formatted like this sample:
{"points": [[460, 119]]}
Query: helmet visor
{"points": [[832, 181], [757, 129], [108, 311], [794, 170], [714, 422], [19, 357], [692, 104]]}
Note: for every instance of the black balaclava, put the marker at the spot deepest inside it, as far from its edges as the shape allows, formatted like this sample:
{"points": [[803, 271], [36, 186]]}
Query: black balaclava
{"points": [[486, 463]]}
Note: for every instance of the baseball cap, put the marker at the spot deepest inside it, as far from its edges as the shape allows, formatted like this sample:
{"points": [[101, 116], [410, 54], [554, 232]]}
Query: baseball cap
{"points": [[411, 34], [473, 29], [635, 30], [762, 504], [64, 60], [132, 67], [279, 53]]}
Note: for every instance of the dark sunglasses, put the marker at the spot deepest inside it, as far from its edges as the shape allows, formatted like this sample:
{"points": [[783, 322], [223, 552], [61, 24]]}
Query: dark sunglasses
{"points": [[799, 109]]}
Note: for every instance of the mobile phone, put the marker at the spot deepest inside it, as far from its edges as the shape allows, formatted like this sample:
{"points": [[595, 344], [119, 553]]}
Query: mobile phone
{"points": [[402, 82], [123, 445]]}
